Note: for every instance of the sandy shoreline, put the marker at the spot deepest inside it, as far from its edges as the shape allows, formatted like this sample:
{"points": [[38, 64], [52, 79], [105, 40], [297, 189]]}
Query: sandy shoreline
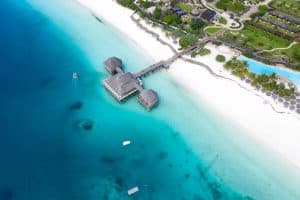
{"points": [[244, 106]]}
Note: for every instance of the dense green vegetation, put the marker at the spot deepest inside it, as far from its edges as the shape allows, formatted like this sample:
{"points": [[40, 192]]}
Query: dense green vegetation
{"points": [[222, 20], [157, 13], [267, 82], [145, 3], [291, 7], [220, 58], [168, 19], [187, 40], [212, 30], [258, 38], [171, 18], [263, 8], [197, 24], [128, 3], [186, 7], [262, 40], [238, 68], [257, 34], [204, 51], [231, 5]]}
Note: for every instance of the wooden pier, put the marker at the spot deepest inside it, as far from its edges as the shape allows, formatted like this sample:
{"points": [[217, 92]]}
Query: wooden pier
{"points": [[122, 85], [150, 69], [162, 64]]}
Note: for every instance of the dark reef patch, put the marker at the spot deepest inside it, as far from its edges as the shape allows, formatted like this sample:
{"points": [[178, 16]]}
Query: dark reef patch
{"points": [[162, 155], [120, 182], [187, 175], [76, 106], [47, 81], [84, 124], [7, 193], [107, 159]]}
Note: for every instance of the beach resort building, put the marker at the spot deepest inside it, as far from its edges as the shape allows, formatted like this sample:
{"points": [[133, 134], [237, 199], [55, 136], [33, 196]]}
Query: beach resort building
{"points": [[124, 84], [148, 98], [209, 15]]}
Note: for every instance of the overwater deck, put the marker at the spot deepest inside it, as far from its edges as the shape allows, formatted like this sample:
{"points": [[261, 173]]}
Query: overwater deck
{"points": [[122, 85]]}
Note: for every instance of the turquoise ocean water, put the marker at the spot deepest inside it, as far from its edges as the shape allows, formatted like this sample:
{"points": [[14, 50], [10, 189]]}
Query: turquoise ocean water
{"points": [[181, 150]]}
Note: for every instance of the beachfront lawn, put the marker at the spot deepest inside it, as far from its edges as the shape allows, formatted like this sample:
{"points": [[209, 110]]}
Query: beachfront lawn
{"points": [[222, 20], [258, 38], [291, 7], [231, 5], [185, 7], [212, 30]]}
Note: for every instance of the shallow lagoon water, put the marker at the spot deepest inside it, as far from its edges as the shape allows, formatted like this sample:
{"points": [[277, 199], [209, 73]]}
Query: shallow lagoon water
{"points": [[181, 150]]}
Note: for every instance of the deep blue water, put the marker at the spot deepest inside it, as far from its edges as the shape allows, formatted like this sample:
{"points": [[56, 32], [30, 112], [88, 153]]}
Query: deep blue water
{"points": [[179, 150]]}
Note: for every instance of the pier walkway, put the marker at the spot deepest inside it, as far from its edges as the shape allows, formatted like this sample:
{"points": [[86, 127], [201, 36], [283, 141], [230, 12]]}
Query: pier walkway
{"points": [[163, 63], [150, 69]]}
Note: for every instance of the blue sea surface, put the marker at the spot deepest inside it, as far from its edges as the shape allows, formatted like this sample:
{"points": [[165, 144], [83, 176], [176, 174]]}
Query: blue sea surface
{"points": [[261, 68], [180, 150]]}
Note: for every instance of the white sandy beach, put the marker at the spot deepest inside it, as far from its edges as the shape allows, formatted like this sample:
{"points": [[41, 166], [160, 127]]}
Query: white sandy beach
{"points": [[245, 107]]}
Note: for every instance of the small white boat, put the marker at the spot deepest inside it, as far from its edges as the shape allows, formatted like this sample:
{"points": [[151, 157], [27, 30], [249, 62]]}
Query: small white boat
{"points": [[126, 142], [133, 190], [75, 75]]}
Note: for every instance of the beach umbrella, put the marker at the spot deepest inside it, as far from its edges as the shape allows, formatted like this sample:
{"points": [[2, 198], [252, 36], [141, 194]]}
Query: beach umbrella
{"points": [[292, 107]]}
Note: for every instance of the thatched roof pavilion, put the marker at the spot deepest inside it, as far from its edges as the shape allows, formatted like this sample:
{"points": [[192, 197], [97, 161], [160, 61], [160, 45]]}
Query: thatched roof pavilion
{"points": [[113, 65], [125, 83], [148, 98], [122, 85]]}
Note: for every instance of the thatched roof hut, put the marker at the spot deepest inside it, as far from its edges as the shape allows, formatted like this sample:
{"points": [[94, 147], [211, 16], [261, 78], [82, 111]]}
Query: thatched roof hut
{"points": [[148, 98], [113, 65], [125, 83], [122, 85]]}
